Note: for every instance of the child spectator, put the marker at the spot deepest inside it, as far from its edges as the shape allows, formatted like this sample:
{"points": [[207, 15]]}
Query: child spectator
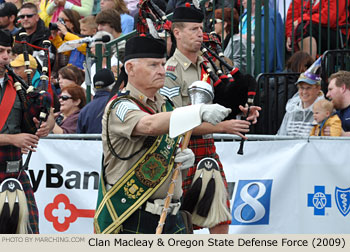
{"points": [[324, 116], [88, 26]]}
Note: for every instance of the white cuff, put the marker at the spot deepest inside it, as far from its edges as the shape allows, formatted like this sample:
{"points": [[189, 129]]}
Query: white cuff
{"points": [[184, 119], [68, 5]]}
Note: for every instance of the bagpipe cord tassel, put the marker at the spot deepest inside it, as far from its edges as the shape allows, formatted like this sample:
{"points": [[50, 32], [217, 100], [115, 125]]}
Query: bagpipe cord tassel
{"points": [[192, 196]]}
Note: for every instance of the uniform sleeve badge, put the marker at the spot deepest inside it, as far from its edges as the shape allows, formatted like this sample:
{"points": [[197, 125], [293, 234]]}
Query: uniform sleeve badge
{"points": [[170, 75], [170, 68], [123, 108]]}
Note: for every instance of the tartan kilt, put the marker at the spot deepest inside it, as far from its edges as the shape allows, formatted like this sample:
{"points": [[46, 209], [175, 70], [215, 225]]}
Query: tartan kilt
{"points": [[32, 207], [142, 222], [203, 148]]}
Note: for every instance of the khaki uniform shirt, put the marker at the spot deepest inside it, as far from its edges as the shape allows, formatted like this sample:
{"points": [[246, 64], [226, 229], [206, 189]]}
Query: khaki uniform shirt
{"points": [[122, 121], [180, 74]]}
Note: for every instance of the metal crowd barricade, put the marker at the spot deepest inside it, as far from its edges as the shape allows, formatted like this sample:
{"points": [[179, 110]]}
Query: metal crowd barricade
{"points": [[217, 137], [274, 90], [332, 62]]}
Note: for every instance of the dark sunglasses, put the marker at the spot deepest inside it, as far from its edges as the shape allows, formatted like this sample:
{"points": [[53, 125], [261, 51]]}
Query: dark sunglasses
{"points": [[65, 97], [27, 15]]}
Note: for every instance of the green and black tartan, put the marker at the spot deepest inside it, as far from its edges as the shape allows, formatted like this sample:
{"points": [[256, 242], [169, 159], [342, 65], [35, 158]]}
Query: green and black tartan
{"points": [[142, 222]]}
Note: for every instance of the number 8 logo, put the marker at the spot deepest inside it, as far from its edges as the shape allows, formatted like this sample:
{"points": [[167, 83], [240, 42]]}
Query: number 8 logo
{"points": [[252, 202]]}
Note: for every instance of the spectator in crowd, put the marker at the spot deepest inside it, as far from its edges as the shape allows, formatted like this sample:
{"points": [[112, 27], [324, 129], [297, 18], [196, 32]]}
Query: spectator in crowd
{"points": [[13, 138], [32, 25], [43, 13], [18, 3], [19, 68], [276, 47], [132, 6], [72, 100], [18, 49], [67, 31], [8, 17], [339, 94], [88, 26], [90, 117], [182, 69], [299, 116], [70, 75], [83, 7], [325, 117], [96, 9], [234, 48], [299, 62], [334, 9], [127, 21], [109, 21]]}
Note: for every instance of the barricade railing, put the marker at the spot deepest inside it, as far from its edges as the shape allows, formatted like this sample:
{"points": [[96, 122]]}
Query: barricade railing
{"points": [[217, 137]]}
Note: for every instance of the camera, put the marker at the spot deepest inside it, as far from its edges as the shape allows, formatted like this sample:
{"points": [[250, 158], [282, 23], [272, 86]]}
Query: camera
{"points": [[54, 26]]}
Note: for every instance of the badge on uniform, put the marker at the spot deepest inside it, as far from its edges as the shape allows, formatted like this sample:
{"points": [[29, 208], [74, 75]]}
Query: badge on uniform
{"points": [[14, 214], [123, 108], [170, 92], [170, 75], [170, 68]]}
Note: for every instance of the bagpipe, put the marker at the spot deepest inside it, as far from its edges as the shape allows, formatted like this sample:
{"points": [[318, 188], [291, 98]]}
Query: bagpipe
{"points": [[14, 212], [36, 102], [151, 19]]}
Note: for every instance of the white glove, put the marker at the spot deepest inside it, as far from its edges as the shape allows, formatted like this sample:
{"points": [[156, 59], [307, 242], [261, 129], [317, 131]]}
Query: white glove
{"points": [[185, 157], [214, 113]]}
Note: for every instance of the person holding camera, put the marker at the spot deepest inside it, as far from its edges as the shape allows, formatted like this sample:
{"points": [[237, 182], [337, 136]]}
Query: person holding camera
{"points": [[66, 29]]}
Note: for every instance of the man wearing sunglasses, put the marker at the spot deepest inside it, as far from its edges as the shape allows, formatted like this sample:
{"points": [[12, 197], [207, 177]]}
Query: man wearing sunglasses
{"points": [[32, 25]]}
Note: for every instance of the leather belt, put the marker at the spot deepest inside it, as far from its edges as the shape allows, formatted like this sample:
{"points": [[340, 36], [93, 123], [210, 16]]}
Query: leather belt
{"points": [[156, 207], [207, 136]]}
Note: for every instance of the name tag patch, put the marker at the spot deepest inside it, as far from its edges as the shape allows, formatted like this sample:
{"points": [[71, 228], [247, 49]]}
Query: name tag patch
{"points": [[170, 75]]}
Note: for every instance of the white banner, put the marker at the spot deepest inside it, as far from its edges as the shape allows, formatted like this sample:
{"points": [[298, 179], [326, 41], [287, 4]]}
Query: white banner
{"points": [[66, 175], [290, 186]]}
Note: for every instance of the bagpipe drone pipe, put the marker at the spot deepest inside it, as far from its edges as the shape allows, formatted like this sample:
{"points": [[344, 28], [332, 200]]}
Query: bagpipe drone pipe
{"points": [[231, 87]]}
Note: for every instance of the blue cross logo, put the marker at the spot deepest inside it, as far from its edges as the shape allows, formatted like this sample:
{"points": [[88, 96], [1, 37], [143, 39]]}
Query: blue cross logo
{"points": [[319, 200]]}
